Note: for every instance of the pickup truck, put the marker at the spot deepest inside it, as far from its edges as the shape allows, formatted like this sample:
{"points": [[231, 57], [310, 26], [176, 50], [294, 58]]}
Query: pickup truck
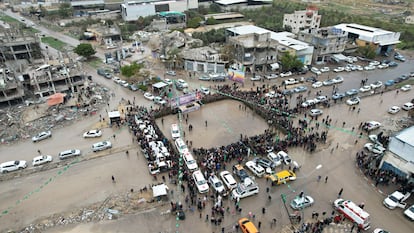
{"points": [[290, 81]]}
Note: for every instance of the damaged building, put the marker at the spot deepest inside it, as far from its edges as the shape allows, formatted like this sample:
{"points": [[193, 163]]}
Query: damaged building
{"points": [[16, 45], [204, 60]]}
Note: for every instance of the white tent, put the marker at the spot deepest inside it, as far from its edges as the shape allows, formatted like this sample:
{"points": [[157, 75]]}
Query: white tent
{"points": [[160, 190]]}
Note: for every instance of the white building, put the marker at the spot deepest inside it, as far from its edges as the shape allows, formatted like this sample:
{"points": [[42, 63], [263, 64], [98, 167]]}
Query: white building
{"points": [[400, 157], [300, 20], [383, 41], [132, 10]]}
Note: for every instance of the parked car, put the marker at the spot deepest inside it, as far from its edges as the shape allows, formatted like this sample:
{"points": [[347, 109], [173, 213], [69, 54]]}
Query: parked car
{"points": [[159, 100], [204, 78], [339, 69], [69, 153], [311, 79], [12, 166], [321, 99], [338, 79], [394, 109], [42, 136], [42, 159], [92, 133], [365, 88], [408, 106], [255, 168], [256, 78], [290, 81], [352, 92], [101, 146], [328, 82], [301, 202], [324, 69], [371, 125], [406, 87], [275, 158], [392, 64], [205, 90], [216, 184], [409, 213], [376, 84], [183, 83], [239, 170], [308, 103], [368, 68], [389, 83], [148, 96], [168, 81], [228, 180], [316, 71], [315, 112], [265, 163], [374, 148], [285, 157], [171, 72], [353, 101], [317, 84], [396, 199], [286, 74], [300, 89], [271, 76], [337, 96]]}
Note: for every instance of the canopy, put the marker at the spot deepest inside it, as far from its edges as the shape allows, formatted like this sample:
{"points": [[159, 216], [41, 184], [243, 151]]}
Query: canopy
{"points": [[159, 85], [55, 99], [274, 66], [159, 190]]}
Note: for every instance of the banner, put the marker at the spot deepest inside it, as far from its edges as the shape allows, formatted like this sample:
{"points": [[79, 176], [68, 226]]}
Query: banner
{"points": [[236, 75]]}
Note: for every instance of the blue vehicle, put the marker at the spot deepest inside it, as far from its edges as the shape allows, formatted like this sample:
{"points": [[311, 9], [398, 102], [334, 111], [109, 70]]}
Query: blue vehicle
{"points": [[352, 92], [337, 96], [300, 89], [389, 82]]}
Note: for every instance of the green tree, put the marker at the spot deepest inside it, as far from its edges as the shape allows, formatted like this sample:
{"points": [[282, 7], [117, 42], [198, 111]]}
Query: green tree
{"points": [[211, 21], [194, 22], [367, 51], [131, 70], [65, 10], [84, 49], [290, 62]]}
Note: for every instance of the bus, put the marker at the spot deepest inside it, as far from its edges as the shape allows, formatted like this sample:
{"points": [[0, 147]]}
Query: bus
{"points": [[353, 212]]}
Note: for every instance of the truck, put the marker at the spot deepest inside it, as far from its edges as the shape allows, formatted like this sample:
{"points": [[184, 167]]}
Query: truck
{"points": [[396, 199], [353, 212]]}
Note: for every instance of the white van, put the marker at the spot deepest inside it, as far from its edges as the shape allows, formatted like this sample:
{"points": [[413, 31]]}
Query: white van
{"points": [[200, 182], [245, 189], [408, 106], [254, 167], [228, 179], [175, 131], [190, 162], [181, 146]]}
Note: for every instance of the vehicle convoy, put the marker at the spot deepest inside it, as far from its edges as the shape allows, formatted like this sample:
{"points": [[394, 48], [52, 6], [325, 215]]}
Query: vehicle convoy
{"points": [[353, 212]]}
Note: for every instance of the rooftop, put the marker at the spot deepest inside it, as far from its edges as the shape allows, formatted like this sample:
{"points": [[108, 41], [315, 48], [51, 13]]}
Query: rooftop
{"points": [[230, 2], [362, 30], [407, 136]]}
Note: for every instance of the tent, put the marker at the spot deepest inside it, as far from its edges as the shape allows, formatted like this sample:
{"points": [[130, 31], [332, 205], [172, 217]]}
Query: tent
{"points": [[55, 99], [160, 190]]}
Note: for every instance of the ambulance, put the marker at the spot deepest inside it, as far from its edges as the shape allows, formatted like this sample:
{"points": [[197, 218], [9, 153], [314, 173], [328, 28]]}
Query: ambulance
{"points": [[353, 212]]}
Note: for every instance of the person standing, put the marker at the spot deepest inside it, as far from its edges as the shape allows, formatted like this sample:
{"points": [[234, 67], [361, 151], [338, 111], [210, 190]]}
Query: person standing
{"points": [[340, 192], [326, 179]]}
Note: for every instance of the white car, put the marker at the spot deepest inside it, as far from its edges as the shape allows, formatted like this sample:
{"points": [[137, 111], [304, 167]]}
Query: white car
{"points": [[409, 213], [270, 94], [271, 76], [168, 81], [205, 90], [42, 136], [317, 84], [42, 159], [406, 87], [338, 79], [369, 68], [321, 99], [93, 133], [171, 72], [374, 148], [316, 71], [408, 106], [353, 101], [374, 138], [101, 146], [159, 100], [69, 153], [200, 182], [324, 69], [183, 83], [339, 69], [365, 89], [116, 79], [376, 84], [12, 166], [383, 66], [371, 125], [315, 112], [308, 103], [216, 184], [285, 157], [301, 202], [286, 74], [274, 158], [228, 180], [148, 96], [394, 109], [396, 199], [290, 81], [256, 169], [374, 63], [175, 131], [256, 78], [123, 83]]}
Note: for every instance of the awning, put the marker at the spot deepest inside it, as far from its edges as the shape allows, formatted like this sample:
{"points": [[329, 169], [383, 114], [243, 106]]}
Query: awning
{"points": [[274, 66], [159, 190], [382, 43], [114, 114], [159, 85], [55, 99]]}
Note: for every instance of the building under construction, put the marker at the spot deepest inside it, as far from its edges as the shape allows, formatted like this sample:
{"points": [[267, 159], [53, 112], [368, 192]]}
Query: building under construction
{"points": [[16, 45]]}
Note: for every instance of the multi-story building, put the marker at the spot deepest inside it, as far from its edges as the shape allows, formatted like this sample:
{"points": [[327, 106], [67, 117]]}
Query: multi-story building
{"points": [[326, 41], [258, 49], [381, 40], [203, 60], [16, 45], [301, 20], [132, 10]]}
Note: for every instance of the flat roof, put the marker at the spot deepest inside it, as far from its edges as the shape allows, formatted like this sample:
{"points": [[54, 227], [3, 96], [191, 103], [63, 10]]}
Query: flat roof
{"points": [[230, 2], [284, 38], [87, 3], [407, 136], [227, 15], [362, 29]]}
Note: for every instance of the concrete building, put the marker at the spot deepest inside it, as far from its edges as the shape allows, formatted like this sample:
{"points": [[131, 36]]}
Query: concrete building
{"points": [[257, 49], [400, 158], [383, 41], [16, 45], [87, 7], [105, 35], [301, 20], [326, 41], [203, 60], [132, 10]]}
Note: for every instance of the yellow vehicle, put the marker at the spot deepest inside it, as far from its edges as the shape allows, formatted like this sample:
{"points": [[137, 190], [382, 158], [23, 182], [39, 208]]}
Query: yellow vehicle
{"points": [[281, 177], [246, 226]]}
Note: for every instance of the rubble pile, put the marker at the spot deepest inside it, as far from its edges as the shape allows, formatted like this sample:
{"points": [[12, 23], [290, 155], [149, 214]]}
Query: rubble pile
{"points": [[111, 208], [19, 120]]}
